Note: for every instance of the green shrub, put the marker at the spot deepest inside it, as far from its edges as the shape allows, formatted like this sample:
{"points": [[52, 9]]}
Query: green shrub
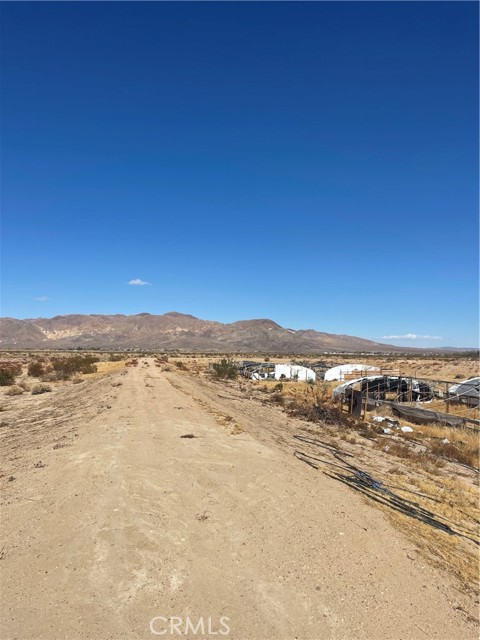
{"points": [[66, 367], [226, 369], [7, 377]]}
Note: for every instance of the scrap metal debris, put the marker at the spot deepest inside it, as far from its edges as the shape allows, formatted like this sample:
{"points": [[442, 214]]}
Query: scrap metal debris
{"points": [[362, 481]]}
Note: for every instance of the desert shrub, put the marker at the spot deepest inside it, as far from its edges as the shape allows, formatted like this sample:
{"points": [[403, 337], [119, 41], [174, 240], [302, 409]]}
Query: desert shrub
{"points": [[277, 398], [41, 388], [278, 387], [226, 369], [323, 392], [35, 369], [14, 367], [25, 386], [51, 376], [77, 380], [115, 357], [7, 377], [181, 365], [14, 390], [319, 412], [66, 367]]}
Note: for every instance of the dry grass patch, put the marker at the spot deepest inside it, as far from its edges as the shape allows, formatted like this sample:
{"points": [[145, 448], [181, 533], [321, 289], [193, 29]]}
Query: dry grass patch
{"points": [[455, 502], [41, 388], [14, 390], [104, 368]]}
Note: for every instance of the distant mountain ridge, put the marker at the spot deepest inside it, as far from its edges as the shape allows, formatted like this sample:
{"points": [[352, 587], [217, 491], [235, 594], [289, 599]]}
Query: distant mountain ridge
{"points": [[171, 331]]}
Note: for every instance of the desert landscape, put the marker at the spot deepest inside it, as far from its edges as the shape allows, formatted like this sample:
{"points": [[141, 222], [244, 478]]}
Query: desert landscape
{"points": [[239, 346], [141, 491]]}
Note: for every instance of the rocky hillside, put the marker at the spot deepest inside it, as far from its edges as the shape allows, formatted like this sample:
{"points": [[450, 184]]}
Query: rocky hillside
{"points": [[172, 331]]}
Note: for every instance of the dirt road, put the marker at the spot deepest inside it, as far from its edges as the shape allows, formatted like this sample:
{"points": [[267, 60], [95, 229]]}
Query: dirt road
{"points": [[114, 519]]}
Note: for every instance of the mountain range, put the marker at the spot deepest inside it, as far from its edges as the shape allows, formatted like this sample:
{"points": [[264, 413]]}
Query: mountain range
{"points": [[173, 331]]}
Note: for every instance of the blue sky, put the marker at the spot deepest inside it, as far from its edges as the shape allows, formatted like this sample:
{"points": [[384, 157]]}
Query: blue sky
{"points": [[315, 163]]}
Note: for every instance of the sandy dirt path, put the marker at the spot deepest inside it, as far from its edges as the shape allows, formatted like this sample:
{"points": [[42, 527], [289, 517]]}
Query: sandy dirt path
{"points": [[125, 521]]}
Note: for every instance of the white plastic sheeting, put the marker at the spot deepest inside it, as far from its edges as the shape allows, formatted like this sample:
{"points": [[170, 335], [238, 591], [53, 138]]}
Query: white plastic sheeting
{"points": [[338, 373], [287, 372], [294, 372]]}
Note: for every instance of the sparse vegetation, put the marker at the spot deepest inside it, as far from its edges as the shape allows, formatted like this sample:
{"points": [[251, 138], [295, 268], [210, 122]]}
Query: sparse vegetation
{"points": [[319, 412], [462, 453], [35, 369], [14, 390], [181, 365], [7, 377], [41, 388], [277, 398], [64, 368], [8, 372], [226, 369]]}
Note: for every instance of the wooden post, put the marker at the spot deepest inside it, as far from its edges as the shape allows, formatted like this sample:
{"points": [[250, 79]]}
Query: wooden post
{"points": [[447, 403], [365, 405]]}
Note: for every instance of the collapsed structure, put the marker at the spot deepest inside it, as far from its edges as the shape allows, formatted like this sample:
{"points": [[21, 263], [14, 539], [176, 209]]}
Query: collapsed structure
{"points": [[271, 371], [466, 392], [404, 389]]}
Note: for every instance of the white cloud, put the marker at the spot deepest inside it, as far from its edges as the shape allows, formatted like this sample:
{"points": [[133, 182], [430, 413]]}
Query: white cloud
{"points": [[412, 336], [138, 283], [41, 298]]}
